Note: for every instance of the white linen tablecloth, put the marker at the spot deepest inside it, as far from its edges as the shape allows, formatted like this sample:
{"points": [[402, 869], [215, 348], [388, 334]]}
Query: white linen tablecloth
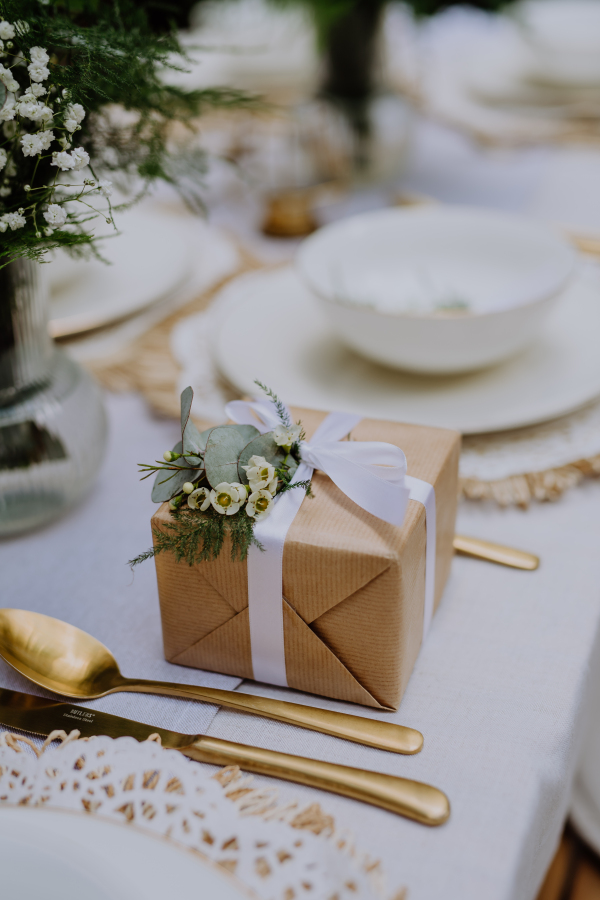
{"points": [[499, 689], [501, 686]]}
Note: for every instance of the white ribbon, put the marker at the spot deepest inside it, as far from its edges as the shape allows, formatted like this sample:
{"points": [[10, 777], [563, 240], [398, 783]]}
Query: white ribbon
{"points": [[371, 473]]}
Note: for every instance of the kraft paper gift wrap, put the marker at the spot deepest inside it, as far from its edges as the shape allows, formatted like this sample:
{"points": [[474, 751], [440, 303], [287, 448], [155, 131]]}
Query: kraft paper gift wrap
{"points": [[353, 585]]}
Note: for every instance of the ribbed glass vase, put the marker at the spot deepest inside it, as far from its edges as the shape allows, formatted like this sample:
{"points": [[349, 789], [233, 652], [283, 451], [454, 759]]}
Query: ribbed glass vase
{"points": [[52, 420]]}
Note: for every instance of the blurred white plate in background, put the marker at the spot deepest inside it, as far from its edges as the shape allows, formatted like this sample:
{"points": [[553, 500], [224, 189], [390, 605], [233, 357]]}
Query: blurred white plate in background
{"points": [[60, 855], [269, 326], [150, 258]]}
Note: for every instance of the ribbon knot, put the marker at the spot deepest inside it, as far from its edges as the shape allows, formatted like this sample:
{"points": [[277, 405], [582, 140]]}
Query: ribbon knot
{"points": [[371, 473]]}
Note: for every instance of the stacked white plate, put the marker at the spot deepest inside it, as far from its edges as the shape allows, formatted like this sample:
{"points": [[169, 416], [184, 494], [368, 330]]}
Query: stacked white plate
{"points": [[270, 326]]}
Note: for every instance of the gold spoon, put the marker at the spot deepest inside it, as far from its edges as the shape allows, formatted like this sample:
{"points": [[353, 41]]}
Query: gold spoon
{"points": [[72, 663]]}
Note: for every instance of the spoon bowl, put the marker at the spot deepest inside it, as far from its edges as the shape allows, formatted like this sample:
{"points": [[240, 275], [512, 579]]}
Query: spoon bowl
{"points": [[57, 656]]}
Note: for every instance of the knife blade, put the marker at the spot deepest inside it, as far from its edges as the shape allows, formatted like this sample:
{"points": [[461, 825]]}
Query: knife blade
{"points": [[412, 799]]}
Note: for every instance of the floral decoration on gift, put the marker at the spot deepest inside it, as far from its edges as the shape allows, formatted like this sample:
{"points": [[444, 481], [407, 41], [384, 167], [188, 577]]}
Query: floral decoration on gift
{"points": [[222, 481]]}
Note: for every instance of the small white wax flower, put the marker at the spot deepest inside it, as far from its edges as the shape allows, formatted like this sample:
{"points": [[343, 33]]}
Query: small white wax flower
{"points": [[63, 160], [7, 31], [55, 215], [259, 505], [199, 499], [225, 498], [241, 489], [38, 72], [80, 157], [3, 158], [284, 436], [188, 487], [105, 187], [260, 473]]}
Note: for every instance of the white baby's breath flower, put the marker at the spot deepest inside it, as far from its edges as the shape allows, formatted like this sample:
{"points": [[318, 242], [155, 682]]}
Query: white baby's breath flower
{"points": [[38, 55], [34, 144], [55, 215], [74, 116], [3, 157], [105, 187], [285, 436], [8, 80], [260, 504], [7, 31], [36, 90], [38, 72], [48, 231], [260, 473], [63, 160], [5, 192], [8, 112], [64, 143], [9, 129], [225, 498], [12, 220], [199, 499], [81, 158], [11, 169]]}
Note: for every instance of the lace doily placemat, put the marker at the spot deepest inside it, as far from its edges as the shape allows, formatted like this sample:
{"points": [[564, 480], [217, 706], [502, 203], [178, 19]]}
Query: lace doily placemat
{"points": [[279, 850], [537, 463]]}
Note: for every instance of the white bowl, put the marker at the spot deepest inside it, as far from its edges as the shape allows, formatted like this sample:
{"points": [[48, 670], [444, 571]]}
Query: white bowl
{"points": [[392, 283]]}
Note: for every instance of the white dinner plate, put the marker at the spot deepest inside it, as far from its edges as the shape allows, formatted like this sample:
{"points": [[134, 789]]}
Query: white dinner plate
{"points": [[149, 259], [269, 326], [60, 855]]}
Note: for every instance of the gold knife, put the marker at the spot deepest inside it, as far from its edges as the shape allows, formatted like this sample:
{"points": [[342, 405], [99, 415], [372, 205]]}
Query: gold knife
{"points": [[412, 799], [497, 553]]}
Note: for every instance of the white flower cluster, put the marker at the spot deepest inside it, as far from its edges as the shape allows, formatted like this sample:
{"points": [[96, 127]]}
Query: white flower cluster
{"points": [[74, 116], [76, 159], [38, 70], [33, 120], [228, 498], [12, 220], [286, 435]]}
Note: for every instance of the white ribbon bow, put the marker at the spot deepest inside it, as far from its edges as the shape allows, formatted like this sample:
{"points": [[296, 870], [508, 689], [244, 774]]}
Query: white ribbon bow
{"points": [[370, 473]]}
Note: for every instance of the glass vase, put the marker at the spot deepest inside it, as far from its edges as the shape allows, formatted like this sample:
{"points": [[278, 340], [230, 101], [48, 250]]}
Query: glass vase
{"points": [[356, 129], [52, 420]]}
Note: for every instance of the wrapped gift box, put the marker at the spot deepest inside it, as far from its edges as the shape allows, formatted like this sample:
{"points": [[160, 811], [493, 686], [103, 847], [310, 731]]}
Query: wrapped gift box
{"points": [[353, 585]]}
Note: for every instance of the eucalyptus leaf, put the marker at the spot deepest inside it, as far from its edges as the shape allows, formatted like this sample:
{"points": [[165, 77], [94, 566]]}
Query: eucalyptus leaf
{"points": [[187, 396], [192, 439], [167, 484], [224, 445], [263, 445]]}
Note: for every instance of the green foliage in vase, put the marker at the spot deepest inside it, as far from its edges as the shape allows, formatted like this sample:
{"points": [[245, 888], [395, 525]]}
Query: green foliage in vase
{"points": [[221, 482], [83, 99]]}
